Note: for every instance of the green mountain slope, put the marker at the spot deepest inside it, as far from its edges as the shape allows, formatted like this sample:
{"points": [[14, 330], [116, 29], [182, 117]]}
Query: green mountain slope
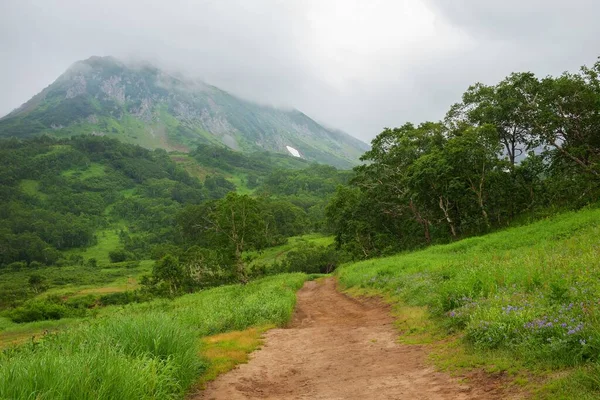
{"points": [[146, 106]]}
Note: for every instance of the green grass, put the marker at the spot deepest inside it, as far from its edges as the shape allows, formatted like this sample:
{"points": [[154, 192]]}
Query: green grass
{"points": [[239, 180], [73, 281], [108, 240], [92, 171], [531, 293], [32, 188], [142, 351], [234, 307], [272, 254], [12, 334]]}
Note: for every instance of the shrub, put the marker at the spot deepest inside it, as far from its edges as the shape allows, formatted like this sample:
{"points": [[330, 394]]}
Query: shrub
{"points": [[122, 298], [311, 259], [120, 255], [126, 264], [17, 265], [82, 302], [36, 282], [92, 263], [40, 311]]}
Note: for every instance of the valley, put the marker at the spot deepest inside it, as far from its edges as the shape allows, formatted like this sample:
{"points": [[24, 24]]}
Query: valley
{"points": [[161, 238]]}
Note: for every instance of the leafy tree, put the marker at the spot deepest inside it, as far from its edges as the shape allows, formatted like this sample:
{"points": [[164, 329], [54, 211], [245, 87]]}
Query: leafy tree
{"points": [[508, 107], [567, 118], [508, 149], [235, 223], [169, 274]]}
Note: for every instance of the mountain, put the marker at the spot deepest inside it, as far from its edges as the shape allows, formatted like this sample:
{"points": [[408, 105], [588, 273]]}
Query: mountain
{"points": [[144, 105]]}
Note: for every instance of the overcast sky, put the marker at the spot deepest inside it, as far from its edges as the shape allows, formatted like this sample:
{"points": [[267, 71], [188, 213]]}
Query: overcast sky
{"points": [[355, 65]]}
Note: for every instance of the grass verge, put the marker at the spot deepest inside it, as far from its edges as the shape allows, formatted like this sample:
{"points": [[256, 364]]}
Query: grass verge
{"points": [[226, 350], [522, 302], [142, 351]]}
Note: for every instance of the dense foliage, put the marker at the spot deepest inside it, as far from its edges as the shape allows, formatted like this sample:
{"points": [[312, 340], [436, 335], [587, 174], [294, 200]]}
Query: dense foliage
{"points": [[505, 153], [63, 196], [57, 193]]}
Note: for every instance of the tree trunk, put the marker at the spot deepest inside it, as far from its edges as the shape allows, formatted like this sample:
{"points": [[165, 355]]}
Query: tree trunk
{"points": [[423, 221], [445, 208]]}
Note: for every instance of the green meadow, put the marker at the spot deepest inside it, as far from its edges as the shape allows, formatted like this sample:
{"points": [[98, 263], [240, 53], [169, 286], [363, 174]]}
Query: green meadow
{"points": [[142, 351], [526, 298]]}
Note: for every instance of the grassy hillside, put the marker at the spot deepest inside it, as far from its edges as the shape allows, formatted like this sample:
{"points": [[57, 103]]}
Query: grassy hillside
{"points": [[143, 351], [245, 171], [530, 293]]}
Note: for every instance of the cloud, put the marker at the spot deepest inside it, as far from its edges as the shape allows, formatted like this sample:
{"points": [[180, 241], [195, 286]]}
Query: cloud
{"points": [[350, 64]]}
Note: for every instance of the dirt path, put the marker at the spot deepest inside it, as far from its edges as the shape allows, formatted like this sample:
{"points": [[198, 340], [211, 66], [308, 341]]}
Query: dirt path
{"points": [[338, 348]]}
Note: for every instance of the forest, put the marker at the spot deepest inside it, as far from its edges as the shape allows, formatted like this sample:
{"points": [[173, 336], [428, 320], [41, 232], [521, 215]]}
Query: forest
{"points": [[506, 154], [63, 196]]}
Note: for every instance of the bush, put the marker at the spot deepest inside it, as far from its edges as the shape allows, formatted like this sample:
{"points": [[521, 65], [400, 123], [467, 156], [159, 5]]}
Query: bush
{"points": [[36, 282], [82, 302], [120, 255], [76, 259], [160, 250], [311, 259], [92, 263], [122, 298], [126, 264], [17, 265], [40, 311]]}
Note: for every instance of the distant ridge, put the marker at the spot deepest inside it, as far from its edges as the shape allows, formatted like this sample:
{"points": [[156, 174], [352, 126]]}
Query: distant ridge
{"points": [[144, 105]]}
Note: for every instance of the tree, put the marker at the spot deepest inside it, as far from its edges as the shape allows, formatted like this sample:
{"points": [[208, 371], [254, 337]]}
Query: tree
{"points": [[473, 155], [235, 223], [432, 180], [170, 273], [508, 107], [567, 118], [385, 178], [120, 255]]}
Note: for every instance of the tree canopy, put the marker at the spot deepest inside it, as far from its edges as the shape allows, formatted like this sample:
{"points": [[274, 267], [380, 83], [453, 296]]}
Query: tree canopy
{"points": [[505, 152]]}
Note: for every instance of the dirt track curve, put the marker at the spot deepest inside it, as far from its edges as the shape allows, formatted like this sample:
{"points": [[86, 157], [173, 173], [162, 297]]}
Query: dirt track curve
{"points": [[339, 348]]}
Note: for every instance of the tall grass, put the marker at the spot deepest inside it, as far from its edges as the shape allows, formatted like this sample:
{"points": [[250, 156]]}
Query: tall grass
{"points": [[266, 301], [115, 359], [144, 351], [533, 291]]}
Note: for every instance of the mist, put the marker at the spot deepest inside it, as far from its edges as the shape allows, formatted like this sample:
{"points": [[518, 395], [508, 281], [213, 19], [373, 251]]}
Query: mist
{"points": [[352, 65]]}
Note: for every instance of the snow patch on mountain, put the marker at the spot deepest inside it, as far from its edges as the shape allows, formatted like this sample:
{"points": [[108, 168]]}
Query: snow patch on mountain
{"points": [[293, 151]]}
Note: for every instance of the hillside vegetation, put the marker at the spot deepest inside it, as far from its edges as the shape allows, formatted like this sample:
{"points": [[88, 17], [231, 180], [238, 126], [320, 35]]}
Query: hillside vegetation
{"points": [[89, 221], [145, 351], [531, 292]]}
